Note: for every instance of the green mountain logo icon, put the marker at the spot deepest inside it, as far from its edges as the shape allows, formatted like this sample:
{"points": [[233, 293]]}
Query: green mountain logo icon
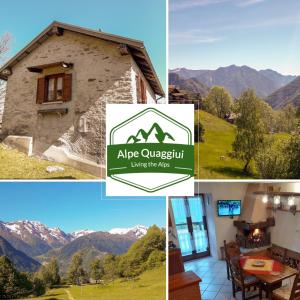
{"points": [[154, 134]]}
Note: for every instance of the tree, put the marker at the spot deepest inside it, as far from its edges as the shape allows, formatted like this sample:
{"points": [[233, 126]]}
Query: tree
{"points": [[13, 284], [155, 259], [298, 111], [199, 133], [111, 266], [287, 120], [97, 270], [39, 288], [133, 262], [271, 161], [76, 272], [49, 273], [292, 150], [268, 116], [54, 271], [218, 102], [250, 128]]}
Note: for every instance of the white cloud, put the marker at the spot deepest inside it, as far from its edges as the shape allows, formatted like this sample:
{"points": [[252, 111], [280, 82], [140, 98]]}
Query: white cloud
{"points": [[193, 37], [176, 5], [249, 2], [185, 4]]}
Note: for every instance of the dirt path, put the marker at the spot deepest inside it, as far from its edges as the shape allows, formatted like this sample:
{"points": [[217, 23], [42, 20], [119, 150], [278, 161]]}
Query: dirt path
{"points": [[69, 295]]}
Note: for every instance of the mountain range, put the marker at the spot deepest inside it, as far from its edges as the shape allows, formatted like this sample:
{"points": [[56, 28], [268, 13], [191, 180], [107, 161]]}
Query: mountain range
{"points": [[234, 78], [31, 243], [22, 261], [288, 94]]}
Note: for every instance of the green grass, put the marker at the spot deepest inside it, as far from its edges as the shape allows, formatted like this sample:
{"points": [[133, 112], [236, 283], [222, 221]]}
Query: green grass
{"points": [[212, 159], [150, 286], [17, 165]]}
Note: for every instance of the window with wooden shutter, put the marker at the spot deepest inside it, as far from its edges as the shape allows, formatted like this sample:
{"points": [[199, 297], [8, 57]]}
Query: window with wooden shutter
{"points": [[56, 87], [41, 90]]}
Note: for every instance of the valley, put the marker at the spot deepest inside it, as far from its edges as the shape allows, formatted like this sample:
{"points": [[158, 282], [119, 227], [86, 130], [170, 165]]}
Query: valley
{"points": [[212, 159], [29, 244], [151, 285]]}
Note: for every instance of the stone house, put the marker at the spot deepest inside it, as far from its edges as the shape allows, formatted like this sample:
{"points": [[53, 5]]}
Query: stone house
{"points": [[58, 87]]}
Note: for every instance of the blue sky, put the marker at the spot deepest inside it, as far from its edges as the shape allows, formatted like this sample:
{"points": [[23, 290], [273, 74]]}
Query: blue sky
{"points": [[207, 34], [138, 19], [77, 205]]}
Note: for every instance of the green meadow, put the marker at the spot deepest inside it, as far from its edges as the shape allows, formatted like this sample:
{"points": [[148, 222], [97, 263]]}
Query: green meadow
{"points": [[151, 285], [17, 165], [212, 160]]}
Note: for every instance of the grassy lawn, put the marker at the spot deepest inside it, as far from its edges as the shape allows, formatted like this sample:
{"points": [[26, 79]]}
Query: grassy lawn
{"points": [[17, 165], [212, 159], [150, 286]]}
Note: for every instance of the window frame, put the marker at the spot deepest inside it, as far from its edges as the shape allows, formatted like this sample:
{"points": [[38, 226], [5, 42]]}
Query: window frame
{"points": [[55, 77]]}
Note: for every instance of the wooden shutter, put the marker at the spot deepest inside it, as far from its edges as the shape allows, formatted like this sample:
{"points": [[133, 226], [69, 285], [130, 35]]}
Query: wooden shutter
{"points": [[41, 90], [67, 87], [138, 88], [143, 92]]}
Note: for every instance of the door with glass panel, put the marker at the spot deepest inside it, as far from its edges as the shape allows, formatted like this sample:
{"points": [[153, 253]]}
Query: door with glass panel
{"points": [[191, 226]]}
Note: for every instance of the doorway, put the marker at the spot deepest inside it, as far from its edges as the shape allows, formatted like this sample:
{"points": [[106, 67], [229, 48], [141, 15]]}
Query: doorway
{"points": [[191, 226]]}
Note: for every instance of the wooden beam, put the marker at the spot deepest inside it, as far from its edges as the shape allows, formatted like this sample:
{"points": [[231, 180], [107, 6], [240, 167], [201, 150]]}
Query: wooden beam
{"points": [[57, 31], [137, 54], [124, 49], [6, 72]]}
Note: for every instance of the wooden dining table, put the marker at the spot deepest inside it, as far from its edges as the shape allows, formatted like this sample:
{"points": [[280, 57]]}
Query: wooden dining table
{"points": [[271, 280]]}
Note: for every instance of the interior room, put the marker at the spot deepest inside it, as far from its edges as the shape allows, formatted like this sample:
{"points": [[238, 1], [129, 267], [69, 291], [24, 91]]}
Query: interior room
{"points": [[235, 241]]}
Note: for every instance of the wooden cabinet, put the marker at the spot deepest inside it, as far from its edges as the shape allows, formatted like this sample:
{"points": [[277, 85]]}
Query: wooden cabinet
{"points": [[175, 261], [184, 286]]}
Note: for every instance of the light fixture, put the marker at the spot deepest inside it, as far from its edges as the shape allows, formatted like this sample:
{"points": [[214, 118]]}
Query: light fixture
{"points": [[265, 199], [277, 199], [291, 200], [66, 65]]}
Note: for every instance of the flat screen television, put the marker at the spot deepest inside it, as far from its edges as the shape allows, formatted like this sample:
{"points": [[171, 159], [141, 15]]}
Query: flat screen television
{"points": [[229, 208]]}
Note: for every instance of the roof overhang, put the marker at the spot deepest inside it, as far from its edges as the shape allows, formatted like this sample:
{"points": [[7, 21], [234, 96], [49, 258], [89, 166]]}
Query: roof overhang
{"points": [[40, 68], [134, 47]]}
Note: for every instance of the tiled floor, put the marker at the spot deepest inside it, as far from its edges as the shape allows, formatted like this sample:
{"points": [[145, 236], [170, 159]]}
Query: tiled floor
{"points": [[214, 285]]}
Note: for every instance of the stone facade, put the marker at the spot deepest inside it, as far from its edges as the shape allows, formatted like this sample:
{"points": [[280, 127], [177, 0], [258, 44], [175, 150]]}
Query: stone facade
{"points": [[100, 75], [2, 99]]}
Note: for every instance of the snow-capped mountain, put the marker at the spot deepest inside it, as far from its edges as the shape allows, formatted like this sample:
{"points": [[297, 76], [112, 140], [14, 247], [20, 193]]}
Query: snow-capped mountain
{"points": [[80, 233], [137, 231], [26, 229], [34, 238]]}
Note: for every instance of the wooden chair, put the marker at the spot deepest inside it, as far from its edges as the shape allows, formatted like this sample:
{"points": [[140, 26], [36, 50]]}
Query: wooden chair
{"points": [[231, 250], [278, 253], [288, 292], [243, 282], [292, 259]]}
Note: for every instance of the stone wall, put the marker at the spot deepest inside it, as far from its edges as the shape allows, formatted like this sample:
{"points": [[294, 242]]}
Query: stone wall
{"points": [[100, 75], [2, 99]]}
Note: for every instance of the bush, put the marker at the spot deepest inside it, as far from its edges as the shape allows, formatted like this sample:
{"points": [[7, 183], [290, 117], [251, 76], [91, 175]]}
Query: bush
{"points": [[155, 259], [271, 161]]}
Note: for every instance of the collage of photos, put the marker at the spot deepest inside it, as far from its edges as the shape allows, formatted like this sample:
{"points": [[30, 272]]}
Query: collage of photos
{"points": [[150, 150]]}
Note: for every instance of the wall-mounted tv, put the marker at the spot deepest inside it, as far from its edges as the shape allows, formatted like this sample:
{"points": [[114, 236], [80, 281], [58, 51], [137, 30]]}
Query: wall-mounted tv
{"points": [[229, 208]]}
